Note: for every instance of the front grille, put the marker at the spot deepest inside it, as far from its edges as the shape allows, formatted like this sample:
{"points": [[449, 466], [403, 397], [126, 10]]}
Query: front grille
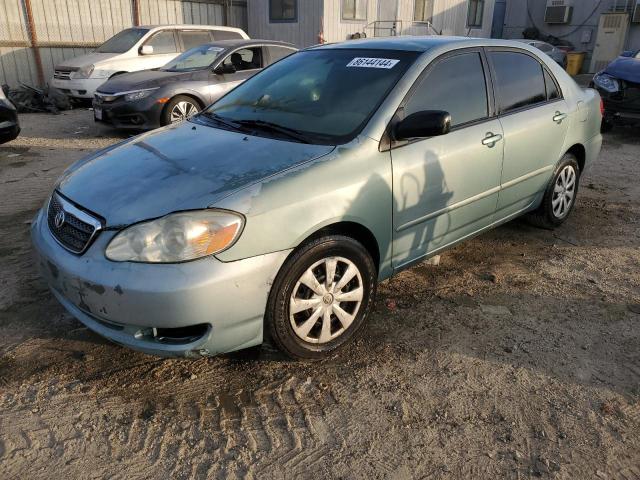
{"points": [[73, 228], [63, 73], [100, 97]]}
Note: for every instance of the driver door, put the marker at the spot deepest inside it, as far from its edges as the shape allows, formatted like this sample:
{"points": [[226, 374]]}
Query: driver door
{"points": [[446, 187], [246, 61]]}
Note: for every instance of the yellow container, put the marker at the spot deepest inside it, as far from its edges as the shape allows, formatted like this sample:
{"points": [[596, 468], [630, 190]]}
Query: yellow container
{"points": [[574, 62]]}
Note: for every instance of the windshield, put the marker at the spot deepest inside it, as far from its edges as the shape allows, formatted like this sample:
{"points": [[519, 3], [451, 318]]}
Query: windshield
{"points": [[123, 41], [195, 59], [326, 94]]}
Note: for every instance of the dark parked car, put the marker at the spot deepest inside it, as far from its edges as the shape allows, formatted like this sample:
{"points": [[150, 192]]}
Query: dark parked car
{"points": [[9, 126], [153, 98], [619, 87]]}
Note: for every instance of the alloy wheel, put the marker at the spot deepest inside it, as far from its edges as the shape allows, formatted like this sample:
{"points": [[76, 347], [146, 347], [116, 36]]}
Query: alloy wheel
{"points": [[564, 192], [326, 300], [183, 110]]}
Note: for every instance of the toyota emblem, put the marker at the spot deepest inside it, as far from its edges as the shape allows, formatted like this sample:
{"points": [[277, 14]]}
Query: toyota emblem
{"points": [[59, 219]]}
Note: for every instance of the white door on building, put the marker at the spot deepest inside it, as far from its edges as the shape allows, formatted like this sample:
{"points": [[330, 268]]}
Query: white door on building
{"points": [[387, 16], [612, 32]]}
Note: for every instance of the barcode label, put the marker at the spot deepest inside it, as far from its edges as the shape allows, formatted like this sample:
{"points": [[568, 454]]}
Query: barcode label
{"points": [[364, 62]]}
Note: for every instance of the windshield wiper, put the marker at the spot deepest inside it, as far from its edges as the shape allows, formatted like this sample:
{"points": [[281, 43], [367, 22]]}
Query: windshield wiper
{"points": [[272, 127], [223, 121]]}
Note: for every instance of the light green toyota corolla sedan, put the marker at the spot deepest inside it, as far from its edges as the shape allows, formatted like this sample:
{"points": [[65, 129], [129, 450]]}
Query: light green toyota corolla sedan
{"points": [[274, 213]]}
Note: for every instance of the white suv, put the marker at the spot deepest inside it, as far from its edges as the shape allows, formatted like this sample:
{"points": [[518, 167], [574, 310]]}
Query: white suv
{"points": [[133, 49]]}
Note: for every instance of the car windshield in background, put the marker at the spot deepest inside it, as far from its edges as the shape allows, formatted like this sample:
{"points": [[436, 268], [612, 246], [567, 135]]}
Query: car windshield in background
{"points": [[321, 96], [195, 59], [123, 41]]}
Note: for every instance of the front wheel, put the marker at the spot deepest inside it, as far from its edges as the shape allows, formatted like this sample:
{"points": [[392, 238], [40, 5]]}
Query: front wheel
{"points": [[178, 109], [560, 196], [321, 297]]}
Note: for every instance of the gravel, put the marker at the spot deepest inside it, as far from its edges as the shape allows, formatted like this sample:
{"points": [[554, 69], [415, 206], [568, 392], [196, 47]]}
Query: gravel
{"points": [[455, 375]]}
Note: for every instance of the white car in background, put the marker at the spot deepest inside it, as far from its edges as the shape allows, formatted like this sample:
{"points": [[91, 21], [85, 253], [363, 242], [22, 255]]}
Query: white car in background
{"points": [[131, 50]]}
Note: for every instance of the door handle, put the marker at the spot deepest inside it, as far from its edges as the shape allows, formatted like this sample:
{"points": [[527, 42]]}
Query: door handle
{"points": [[491, 139], [558, 117]]}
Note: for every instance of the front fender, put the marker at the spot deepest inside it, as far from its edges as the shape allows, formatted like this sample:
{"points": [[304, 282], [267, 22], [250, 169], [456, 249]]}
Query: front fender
{"points": [[352, 183]]}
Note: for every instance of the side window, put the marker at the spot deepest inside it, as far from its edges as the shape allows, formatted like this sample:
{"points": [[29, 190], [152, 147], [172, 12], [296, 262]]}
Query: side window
{"points": [[277, 53], [225, 35], [552, 88], [519, 80], [456, 85], [163, 42], [245, 59], [194, 38]]}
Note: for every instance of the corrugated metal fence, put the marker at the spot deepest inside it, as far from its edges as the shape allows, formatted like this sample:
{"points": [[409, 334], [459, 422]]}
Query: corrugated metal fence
{"points": [[35, 35]]}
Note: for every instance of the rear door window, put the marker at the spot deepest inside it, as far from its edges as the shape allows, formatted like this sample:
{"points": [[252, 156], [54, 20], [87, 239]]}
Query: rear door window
{"points": [[163, 42], [194, 38], [519, 80], [278, 53], [551, 86], [455, 84]]}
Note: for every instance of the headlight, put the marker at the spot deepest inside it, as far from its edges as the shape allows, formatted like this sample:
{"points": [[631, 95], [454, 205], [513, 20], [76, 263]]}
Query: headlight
{"points": [[84, 72], [101, 74], [606, 82], [177, 237], [138, 94]]}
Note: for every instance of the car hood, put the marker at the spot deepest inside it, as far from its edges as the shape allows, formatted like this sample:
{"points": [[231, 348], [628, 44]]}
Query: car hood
{"points": [[144, 79], [625, 68], [180, 167], [88, 59]]}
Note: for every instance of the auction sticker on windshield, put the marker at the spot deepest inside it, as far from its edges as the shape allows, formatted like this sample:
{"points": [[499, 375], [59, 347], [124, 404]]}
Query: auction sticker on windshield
{"points": [[365, 62]]}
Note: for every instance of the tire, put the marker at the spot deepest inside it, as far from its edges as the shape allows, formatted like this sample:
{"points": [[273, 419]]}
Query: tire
{"points": [[297, 334], [187, 106], [552, 212]]}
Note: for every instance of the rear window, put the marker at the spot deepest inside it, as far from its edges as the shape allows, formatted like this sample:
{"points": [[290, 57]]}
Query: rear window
{"points": [[226, 35], [519, 80]]}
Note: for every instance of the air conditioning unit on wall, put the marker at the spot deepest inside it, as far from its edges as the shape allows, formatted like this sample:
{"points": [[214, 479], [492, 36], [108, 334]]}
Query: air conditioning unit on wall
{"points": [[558, 11], [635, 18]]}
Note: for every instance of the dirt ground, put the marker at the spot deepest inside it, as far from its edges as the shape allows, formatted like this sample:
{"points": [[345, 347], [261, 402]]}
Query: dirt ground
{"points": [[518, 356]]}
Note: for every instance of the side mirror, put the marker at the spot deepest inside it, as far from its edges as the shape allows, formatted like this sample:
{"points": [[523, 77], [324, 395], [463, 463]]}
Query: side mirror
{"points": [[224, 68], [429, 123], [146, 50]]}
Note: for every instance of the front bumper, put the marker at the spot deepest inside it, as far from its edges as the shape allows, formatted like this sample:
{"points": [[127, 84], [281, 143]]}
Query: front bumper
{"points": [[129, 302], [139, 115], [78, 88]]}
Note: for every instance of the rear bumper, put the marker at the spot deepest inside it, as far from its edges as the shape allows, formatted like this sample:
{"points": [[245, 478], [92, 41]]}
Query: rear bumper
{"points": [[129, 303], [140, 115]]}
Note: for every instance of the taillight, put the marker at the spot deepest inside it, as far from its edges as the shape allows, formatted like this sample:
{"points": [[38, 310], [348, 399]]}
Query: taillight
{"points": [[601, 108]]}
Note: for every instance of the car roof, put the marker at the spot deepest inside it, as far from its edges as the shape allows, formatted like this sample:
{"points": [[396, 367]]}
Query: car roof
{"points": [[418, 43], [241, 42], [190, 27]]}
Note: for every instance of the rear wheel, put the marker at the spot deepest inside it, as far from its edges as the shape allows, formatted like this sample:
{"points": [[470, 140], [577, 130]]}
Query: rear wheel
{"points": [[560, 196], [321, 297], [178, 109]]}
